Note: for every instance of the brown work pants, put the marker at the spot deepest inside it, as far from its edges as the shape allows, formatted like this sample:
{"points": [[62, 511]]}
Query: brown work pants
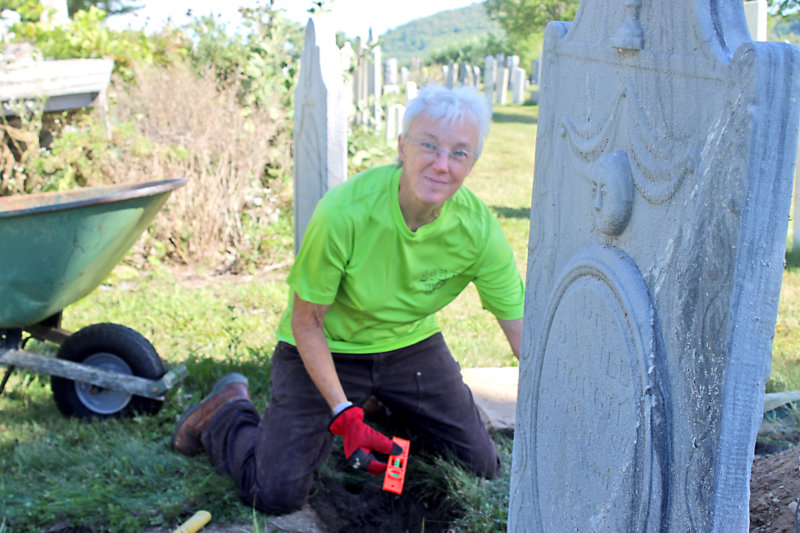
{"points": [[273, 459]]}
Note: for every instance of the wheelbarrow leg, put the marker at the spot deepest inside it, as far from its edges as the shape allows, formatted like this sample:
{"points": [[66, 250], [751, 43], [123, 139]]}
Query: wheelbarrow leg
{"points": [[10, 338], [5, 378]]}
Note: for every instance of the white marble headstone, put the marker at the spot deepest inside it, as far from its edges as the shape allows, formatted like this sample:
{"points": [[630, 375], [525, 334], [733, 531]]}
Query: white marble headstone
{"points": [[664, 154], [320, 133]]}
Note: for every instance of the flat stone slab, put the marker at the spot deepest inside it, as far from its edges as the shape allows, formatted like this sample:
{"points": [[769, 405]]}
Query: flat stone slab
{"points": [[495, 392]]}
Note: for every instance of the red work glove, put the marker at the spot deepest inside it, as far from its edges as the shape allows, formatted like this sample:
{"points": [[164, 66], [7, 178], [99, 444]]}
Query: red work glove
{"points": [[360, 440]]}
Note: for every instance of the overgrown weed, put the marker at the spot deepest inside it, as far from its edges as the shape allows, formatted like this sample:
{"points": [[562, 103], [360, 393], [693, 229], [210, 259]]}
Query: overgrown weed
{"points": [[203, 133]]}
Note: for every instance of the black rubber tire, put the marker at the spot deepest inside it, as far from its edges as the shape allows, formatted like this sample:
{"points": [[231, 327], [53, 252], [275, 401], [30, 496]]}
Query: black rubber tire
{"points": [[112, 347]]}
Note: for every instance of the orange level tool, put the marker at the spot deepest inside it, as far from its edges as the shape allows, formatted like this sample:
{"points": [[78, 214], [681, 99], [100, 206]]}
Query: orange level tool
{"points": [[396, 468]]}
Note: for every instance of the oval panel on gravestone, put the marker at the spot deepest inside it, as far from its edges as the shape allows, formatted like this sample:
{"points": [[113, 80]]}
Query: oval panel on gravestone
{"points": [[594, 458]]}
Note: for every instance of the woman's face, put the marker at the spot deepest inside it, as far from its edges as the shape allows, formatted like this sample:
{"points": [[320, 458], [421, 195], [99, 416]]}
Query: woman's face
{"points": [[432, 154]]}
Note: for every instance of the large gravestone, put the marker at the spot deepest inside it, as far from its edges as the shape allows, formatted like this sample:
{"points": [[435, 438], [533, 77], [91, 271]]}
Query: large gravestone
{"points": [[664, 155], [320, 130]]}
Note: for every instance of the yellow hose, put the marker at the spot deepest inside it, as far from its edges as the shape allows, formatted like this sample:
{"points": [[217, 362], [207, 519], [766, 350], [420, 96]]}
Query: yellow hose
{"points": [[195, 523]]}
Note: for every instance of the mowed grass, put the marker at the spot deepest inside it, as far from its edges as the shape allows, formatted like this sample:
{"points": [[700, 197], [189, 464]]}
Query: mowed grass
{"points": [[785, 371], [503, 179]]}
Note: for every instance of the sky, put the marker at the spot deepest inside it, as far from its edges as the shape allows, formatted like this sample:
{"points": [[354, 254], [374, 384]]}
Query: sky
{"points": [[353, 17]]}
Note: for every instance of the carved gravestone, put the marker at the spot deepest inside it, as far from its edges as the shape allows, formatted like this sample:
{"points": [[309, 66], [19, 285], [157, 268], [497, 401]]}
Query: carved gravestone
{"points": [[663, 176], [375, 87], [390, 75], [518, 85], [501, 85], [320, 130], [490, 74]]}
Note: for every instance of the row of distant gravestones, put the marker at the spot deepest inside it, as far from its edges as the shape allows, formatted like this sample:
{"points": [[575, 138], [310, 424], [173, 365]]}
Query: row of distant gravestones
{"points": [[495, 82]]}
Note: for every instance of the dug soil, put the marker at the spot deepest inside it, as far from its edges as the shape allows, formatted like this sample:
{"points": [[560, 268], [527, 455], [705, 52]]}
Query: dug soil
{"points": [[354, 503], [774, 491]]}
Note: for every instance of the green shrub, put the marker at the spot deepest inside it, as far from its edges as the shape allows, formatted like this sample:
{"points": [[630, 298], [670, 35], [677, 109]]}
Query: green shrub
{"points": [[86, 36], [29, 10]]}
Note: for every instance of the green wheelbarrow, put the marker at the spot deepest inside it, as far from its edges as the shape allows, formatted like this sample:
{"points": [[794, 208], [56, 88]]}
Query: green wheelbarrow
{"points": [[55, 248]]}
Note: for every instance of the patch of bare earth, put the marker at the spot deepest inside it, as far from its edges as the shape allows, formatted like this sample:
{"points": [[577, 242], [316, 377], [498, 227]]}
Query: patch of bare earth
{"points": [[774, 491]]}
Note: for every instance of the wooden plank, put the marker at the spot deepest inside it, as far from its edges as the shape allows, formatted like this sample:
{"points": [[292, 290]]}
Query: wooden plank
{"points": [[83, 373], [66, 83]]}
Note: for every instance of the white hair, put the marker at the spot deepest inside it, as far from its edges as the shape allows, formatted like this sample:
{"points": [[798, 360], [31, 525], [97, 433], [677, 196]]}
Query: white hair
{"points": [[450, 106]]}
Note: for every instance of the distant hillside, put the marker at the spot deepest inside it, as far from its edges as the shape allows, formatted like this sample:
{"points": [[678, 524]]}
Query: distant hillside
{"points": [[421, 37]]}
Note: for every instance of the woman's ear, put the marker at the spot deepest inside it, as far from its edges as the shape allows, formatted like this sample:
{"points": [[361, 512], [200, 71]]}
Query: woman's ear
{"points": [[401, 148]]}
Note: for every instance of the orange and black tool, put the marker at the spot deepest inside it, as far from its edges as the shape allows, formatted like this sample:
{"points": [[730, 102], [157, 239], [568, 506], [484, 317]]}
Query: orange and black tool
{"points": [[396, 468]]}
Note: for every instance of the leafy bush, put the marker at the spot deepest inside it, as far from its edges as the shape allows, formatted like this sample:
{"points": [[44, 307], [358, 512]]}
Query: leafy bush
{"points": [[263, 64], [29, 10], [87, 36]]}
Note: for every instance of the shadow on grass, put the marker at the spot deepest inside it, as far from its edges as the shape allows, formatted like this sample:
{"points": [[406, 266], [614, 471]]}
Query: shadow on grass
{"points": [[512, 212], [502, 117]]}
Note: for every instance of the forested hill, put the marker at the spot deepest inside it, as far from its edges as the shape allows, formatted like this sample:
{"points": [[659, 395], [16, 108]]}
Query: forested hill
{"points": [[421, 37]]}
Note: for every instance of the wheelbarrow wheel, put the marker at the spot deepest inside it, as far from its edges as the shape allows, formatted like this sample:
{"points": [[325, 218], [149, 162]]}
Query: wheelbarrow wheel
{"points": [[111, 347]]}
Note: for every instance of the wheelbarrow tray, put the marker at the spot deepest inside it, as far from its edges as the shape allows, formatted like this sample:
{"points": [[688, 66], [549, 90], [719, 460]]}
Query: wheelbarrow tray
{"points": [[55, 248]]}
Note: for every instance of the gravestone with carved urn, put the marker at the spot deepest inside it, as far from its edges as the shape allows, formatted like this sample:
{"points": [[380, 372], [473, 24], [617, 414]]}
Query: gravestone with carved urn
{"points": [[663, 179]]}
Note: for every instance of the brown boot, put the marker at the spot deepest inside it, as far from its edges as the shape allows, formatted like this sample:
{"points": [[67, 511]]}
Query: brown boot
{"points": [[186, 437]]}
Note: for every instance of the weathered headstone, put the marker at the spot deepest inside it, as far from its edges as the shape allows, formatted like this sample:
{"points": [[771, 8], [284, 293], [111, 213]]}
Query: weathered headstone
{"points": [[347, 57], [452, 75], [390, 76], [375, 86], [755, 12], [411, 90], [394, 121], [465, 75], [361, 84], [320, 133], [501, 86], [535, 72], [518, 86], [490, 75], [390, 71], [664, 155]]}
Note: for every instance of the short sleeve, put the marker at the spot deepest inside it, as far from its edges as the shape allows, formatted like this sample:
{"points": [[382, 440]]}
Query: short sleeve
{"points": [[497, 278], [323, 254]]}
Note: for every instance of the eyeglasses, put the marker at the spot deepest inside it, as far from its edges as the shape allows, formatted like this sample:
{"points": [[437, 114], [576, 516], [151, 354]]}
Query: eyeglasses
{"points": [[456, 156]]}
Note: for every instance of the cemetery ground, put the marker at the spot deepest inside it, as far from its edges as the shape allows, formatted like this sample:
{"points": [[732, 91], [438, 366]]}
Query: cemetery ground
{"points": [[62, 475]]}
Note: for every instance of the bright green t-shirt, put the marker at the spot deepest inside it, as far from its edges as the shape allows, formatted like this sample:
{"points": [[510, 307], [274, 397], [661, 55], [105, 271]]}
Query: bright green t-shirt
{"points": [[383, 282]]}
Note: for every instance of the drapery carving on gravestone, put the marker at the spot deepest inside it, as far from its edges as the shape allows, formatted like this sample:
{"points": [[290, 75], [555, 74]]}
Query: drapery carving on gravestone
{"points": [[663, 175], [320, 134]]}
